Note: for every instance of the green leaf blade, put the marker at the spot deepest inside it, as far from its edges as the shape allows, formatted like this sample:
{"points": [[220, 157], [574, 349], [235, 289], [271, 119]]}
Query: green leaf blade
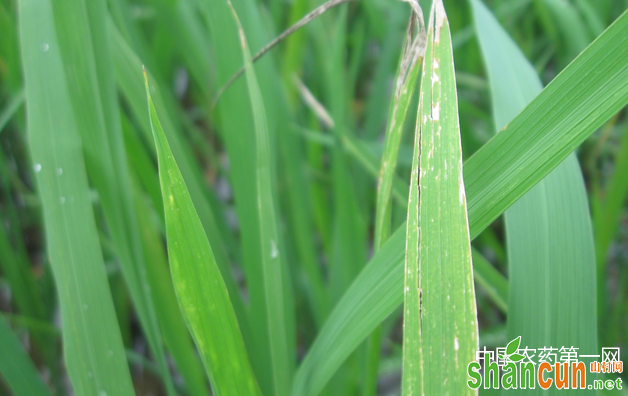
{"points": [[274, 286], [549, 233], [93, 350], [198, 283], [578, 101], [445, 292], [175, 332], [18, 370], [406, 81], [84, 44]]}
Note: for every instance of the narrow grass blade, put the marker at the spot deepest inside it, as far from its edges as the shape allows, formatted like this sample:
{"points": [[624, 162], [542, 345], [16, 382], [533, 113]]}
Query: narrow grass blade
{"points": [[293, 154], [16, 367], [511, 163], [440, 320], [198, 283], [413, 364], [387, 63], [84, 44], [406, 80], [235, 119], [94, 355], [274, 279], [551, 259], [606, 219], [491, 281]]}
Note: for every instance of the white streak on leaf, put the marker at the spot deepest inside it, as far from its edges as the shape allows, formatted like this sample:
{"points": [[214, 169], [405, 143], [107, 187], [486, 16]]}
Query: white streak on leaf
{"points": [[436, 112]]}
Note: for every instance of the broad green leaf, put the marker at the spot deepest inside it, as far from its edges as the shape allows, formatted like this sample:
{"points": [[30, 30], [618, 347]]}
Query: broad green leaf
{"points": [[440, 335], [272, 255], [84, 44], [94, 355], [491, 280], [550, 127], [198, 283], [551, 258], [16, 366], [511, 163]]}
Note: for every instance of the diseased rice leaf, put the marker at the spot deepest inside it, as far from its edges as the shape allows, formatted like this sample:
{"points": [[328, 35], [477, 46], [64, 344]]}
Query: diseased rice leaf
{"points": [[175, 332], [126, 64], [565, 113], [440, 335], [405, 84], [198, 283]]}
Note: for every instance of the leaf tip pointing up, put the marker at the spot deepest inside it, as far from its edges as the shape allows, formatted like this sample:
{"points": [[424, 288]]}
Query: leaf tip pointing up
{"points": [[439, 17], [239, 25], [146, 85], [145, 76]]}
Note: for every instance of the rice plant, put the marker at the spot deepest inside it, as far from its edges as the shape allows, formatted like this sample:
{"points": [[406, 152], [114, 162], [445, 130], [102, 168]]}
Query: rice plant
{"points": [[369, 197]]}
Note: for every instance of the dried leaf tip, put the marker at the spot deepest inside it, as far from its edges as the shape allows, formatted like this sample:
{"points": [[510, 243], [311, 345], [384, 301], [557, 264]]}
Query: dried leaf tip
{"points": [[414, 49], [416, 8], [439, 17]]}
